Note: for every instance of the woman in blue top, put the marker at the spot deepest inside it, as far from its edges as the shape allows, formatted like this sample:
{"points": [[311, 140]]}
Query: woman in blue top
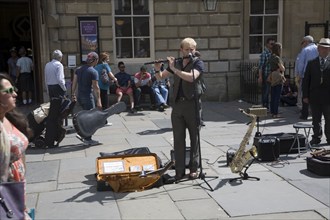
{"points": [[104, 86]]}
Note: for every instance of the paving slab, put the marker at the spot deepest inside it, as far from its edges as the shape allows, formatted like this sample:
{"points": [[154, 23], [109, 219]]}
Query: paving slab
{"points": [[80, 203]]}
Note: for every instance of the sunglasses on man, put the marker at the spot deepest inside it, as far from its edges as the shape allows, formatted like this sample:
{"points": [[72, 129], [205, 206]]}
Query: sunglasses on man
{"points": [[10, 90]]}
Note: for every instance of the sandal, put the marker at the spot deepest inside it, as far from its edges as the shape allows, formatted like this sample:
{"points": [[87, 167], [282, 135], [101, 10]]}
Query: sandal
{"points": [[193, 175]]}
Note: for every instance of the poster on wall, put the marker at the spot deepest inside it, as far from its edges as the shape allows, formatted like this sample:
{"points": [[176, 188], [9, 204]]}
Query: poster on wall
{"points": [[89, 38]]}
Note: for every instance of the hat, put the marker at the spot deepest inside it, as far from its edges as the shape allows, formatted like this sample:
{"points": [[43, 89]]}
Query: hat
{"points": [[91, 57], [324, 42], [308, 38], [57, 54]]}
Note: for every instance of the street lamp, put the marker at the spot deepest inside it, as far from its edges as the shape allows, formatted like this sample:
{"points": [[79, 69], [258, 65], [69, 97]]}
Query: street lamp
{"points": [[210, 5]]}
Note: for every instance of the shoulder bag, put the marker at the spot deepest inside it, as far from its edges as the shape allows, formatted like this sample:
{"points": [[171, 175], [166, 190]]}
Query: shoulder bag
{"points": [[12, 200]]}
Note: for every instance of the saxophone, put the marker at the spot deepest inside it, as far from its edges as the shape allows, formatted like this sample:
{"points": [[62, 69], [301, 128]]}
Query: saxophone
{"points": [[242, 157]]}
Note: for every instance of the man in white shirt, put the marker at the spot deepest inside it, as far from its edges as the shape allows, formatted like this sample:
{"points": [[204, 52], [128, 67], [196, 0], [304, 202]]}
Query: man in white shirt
{"points": [[54, 76], [308, 52]]}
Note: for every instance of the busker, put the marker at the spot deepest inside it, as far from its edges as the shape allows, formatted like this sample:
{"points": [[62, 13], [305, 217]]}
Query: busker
{"points": [[187, 74]]}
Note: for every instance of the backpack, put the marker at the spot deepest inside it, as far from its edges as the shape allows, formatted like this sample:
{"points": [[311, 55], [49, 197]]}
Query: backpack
{"points": [[104, 75]]}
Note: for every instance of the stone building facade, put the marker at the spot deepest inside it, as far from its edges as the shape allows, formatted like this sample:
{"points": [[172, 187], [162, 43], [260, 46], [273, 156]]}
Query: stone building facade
{"points": [[222, 35]]}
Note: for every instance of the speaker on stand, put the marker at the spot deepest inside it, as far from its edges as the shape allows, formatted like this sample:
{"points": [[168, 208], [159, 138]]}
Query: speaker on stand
{"points": [[259, 111]]}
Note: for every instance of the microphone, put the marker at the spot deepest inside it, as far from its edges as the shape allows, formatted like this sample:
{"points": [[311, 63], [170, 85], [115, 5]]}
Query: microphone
{"points": [[191, 55]]}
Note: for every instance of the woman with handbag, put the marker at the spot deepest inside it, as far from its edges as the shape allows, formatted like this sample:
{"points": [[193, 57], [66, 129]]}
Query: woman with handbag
{"points": [[105, 78], [14, 133], [276, 78]]}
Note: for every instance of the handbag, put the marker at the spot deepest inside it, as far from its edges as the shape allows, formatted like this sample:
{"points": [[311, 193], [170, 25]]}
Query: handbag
{"points": [[104, 75], [276, 78], [12, 200]]}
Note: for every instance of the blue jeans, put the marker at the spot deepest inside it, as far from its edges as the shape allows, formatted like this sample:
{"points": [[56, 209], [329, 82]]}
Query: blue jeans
{"points": [[275, 95], [87, 103], [265, 93], [161, 94]]}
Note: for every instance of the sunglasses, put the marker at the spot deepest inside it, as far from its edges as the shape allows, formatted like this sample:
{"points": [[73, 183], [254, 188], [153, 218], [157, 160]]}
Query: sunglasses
{"points": [[10, 90], [122, 67]]}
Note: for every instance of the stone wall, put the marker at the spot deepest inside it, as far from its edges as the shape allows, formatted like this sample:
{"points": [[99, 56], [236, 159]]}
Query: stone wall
{"points": [[218, 37], [219, 34]]}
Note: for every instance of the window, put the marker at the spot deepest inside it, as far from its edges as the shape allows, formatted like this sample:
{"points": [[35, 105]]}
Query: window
{"points": [[132, 33], [264, 23]]}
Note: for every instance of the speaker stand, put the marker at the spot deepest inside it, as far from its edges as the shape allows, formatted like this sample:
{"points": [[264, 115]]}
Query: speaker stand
{"points": [[258, 133]]}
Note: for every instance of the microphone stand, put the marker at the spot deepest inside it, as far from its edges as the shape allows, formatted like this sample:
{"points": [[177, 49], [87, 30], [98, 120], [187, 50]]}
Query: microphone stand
{"points": [[201, 175]]}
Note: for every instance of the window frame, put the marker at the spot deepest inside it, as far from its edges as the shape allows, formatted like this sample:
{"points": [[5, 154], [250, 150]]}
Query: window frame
{"points": [[279, 27], [151, 35]]}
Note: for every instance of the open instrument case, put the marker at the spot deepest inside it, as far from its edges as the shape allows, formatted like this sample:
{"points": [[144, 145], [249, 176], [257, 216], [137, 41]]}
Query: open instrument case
{"points": [[125, 173]]}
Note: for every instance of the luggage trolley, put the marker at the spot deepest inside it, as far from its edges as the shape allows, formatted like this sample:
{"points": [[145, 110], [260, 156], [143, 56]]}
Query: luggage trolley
{"points": [[46, 122]]}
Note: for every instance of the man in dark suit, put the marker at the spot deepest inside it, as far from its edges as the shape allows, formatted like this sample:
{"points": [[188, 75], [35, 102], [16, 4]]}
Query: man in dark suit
{"points": [[316, 90]]}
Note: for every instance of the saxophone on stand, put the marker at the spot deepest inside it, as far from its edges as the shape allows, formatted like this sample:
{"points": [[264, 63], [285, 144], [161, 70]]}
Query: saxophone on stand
{"points": [[244, 158]]}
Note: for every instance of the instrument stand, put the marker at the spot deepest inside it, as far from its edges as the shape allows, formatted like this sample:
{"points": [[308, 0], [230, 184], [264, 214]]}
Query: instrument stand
{"points": [[201, 175], [258, 133], [245, 175]]}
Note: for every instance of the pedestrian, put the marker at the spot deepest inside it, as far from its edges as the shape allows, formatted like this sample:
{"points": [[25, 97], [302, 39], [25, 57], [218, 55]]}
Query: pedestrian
{"points": [[124, 85], [316, 91], [187, 74], [277, 78], [143, 85], [264, 71], [14, 134], [24, 77], [308, 53], [54, 76], [86, 79], [12, 68], [103, 67]]}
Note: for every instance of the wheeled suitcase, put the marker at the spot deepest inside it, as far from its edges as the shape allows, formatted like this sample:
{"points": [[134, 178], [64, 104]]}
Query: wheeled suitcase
{"points": [[125, 173]]}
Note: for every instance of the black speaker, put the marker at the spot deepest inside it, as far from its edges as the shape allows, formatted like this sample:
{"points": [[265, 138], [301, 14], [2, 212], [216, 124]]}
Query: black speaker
{"points": [[268, 148], [187, 157], [286, 141]]}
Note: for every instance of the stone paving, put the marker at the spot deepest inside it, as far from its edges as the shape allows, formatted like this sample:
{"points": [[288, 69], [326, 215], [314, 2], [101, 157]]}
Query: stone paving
{"points": [[61, 182]]}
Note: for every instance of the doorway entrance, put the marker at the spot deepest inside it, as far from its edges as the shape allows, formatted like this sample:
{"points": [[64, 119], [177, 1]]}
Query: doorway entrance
{"points": [[16, 32]]}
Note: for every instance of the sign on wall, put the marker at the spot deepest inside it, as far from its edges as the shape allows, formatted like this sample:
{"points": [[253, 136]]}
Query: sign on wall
{"points": [[89, 36]]}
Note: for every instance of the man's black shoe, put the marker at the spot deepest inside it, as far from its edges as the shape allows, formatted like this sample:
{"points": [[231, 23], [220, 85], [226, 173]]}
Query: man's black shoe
{"points": [[302, 117], [315, 141], [161, 108]]}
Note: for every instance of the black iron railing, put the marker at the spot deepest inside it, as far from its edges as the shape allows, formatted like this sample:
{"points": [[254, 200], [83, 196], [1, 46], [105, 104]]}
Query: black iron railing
{"points": [[250, 88]]}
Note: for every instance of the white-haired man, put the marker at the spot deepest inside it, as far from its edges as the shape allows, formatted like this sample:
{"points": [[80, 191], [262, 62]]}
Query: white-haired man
{"points": [[308, 53], [54, 76]]}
